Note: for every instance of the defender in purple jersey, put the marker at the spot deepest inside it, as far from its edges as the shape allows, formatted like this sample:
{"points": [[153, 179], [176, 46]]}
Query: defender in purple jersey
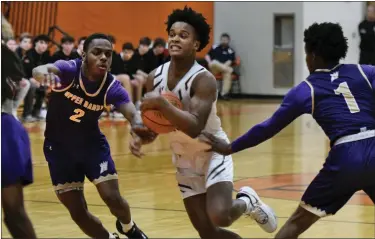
{"points": [[74, 146], [16, 164], [341, 98]]}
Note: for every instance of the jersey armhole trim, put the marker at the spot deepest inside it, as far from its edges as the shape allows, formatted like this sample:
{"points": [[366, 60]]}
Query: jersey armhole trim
{"points": [[312, 96], [105, 95], [364, 75], [64, 89]]}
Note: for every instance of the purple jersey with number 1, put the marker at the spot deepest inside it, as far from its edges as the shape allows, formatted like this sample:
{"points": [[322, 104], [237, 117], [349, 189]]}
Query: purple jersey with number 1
{"points": [[342, 101]]}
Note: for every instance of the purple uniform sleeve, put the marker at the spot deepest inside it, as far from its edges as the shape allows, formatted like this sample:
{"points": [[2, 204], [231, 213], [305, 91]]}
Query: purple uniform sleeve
{"points": [[117, 95], [370, 73], [297, 102], [68, 70]]}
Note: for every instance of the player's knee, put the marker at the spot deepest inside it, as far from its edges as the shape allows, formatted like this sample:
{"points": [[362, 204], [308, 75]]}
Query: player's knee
{"points": [[220, 217], [78, 214], [112, 198]]}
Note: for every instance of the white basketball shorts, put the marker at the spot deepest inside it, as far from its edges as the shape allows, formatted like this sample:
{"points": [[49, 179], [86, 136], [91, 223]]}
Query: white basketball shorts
{"points": [[195, 175]]}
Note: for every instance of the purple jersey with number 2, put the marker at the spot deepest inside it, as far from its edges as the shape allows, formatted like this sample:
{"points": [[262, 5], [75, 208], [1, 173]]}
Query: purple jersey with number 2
{"points": [[75, 107]]}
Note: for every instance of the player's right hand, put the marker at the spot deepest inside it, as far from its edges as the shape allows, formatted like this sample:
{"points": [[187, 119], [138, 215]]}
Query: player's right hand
{"points": [[217, 144]]}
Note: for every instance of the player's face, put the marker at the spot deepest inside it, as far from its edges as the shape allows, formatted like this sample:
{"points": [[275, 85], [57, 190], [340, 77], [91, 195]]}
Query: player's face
{"points": [[309, 61], [181, 41], [98, 57]]}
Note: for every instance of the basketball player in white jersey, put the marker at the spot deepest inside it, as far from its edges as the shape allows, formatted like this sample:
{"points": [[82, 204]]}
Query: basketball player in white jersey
{"points": [[205, 179]]}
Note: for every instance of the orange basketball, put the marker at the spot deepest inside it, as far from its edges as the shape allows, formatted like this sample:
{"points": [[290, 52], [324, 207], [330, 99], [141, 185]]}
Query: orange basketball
{"points": [[155, 120]]}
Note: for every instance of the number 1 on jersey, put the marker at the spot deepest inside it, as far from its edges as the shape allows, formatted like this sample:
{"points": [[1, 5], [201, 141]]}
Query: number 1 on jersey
{"points": [[78, 114], [348, 96]]}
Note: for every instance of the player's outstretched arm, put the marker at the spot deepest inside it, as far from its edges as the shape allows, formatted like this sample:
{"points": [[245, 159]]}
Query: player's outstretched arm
{"points": [[118, 97], [190, 122], [295, 103], [41, 72]]}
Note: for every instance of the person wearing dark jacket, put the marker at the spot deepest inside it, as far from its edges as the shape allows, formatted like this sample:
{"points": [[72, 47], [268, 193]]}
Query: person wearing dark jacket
{"points": [[39, 55], [367, 33], [67, 51]]}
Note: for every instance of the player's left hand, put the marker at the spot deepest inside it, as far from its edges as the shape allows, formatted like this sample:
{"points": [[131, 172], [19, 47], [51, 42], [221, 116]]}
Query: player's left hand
{"points": [[135, 145], [217, 145], [153, 101]]}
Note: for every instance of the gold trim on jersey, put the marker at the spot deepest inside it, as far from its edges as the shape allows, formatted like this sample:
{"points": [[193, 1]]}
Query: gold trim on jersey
{"points": [[364, 75], [64, 89], [312, 96], [83, 86], [105, 95], [105, 178], [327, 70]]}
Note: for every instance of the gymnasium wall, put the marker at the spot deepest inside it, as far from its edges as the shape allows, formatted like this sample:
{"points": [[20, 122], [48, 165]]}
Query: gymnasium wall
{"points": [[250, 25], [348, 14], [127, 21]]}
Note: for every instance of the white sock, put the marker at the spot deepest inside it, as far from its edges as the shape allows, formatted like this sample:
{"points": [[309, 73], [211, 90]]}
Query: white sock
{"points": [[247, 201], [111, 236], [127, 227]]}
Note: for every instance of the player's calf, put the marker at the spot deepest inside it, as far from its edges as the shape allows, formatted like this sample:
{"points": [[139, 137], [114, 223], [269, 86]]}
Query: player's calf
{"points": [[299, 222], [119, 207]]}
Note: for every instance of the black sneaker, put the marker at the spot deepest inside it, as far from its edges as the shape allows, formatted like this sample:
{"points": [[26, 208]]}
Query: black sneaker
{"points": [[133, 233]]}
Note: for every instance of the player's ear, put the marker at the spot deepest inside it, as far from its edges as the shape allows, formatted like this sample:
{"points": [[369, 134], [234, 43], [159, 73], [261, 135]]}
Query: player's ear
{"points": [[197, 45], [83, 56]]}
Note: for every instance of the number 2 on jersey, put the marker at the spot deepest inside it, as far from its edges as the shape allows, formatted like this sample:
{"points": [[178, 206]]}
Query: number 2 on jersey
{"points": [[78, 114], [348, 96]]}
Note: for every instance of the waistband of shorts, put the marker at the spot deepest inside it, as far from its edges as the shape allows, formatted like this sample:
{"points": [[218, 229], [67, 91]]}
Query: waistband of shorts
{"points": [[355, 137]]}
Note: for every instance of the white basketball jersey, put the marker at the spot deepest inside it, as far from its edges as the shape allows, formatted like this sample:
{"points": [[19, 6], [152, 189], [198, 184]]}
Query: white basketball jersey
{"points": [[183, 91]]}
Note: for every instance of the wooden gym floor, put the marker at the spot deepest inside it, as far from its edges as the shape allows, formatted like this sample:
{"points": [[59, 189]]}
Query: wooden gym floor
{"points": [[279, 169]]}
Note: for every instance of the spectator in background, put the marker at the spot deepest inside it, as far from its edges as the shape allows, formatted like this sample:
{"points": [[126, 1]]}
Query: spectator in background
{"points": [[145, 62], [66, 52], [39, 55], [11, 106], [367, 32], [220, 59], [118, 71], [11, 44], [129, 68], [25, 45], [158, 49], [81, 41]]}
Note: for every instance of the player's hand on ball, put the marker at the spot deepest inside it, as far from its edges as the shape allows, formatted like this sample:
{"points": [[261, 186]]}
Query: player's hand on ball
{"points": [[217, 145], [135, 146], [153, 101]]}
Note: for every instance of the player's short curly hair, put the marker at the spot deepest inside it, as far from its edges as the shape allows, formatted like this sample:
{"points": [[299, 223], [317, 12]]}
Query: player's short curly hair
{"points": [[193, 18], [92, 37], [326, 40]]}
